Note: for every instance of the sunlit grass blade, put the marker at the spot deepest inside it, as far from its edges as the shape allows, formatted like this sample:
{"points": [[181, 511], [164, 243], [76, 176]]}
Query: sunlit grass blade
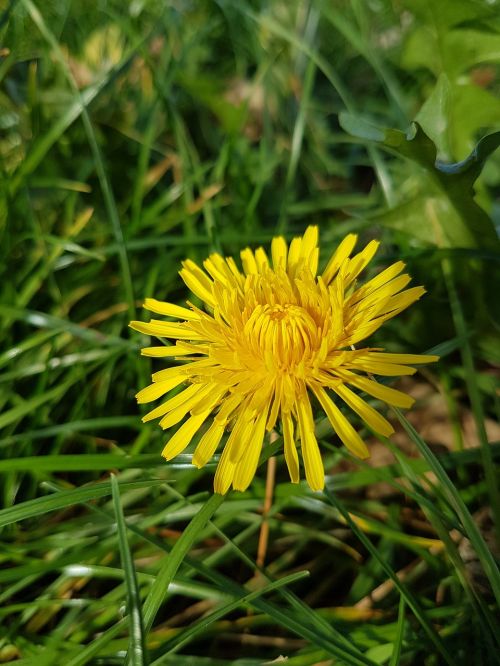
{"points": [[44, 320], [310, 32], [159, 589], [69, 428], [80, 462], [340, 646], [64, 498]]}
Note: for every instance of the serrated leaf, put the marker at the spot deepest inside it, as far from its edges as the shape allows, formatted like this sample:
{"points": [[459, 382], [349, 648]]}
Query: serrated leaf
{"points": [[447, 204]]}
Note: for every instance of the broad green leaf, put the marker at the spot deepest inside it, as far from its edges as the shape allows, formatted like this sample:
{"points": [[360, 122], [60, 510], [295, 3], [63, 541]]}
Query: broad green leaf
{"points": [[453, 115], [448, 13], [472, 108], [431, 219], [452, 52], [446, 207], [434, 116]]}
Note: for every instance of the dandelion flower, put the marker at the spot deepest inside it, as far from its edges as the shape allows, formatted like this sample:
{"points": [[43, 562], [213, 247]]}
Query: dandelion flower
{"points": [[276, 336]]}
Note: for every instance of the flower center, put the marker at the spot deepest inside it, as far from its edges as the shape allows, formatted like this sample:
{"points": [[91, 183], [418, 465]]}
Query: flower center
{"points": [[283, 336]]}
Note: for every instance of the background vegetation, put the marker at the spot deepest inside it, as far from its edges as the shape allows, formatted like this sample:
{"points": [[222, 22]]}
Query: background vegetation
{"points": [[134, 134]]}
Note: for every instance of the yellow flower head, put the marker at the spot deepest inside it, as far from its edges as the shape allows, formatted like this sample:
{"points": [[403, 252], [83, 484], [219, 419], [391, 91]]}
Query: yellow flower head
{"points": [[274, 335]]}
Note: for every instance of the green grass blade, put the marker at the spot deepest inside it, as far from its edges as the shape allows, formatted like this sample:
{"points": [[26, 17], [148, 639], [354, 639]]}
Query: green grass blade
{"points": [[487, 619], [79, 462], [137, 653], [159, 590], [398, 643], [90, 651], [298, 130], [472, 532], [474, 396], [28, 406], [202, 624], [293, 622], [64, 498], [403, 590], [44, 320], [69, 428]]}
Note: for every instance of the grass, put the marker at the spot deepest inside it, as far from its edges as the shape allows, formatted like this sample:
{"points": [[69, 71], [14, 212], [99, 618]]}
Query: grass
{"points": [[134, 135]]}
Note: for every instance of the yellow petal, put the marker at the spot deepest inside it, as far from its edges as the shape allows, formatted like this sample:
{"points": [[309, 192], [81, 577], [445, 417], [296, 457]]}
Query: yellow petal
{"points": [[375, 420], [156, 390], [339, 256], [341, 425], [235, 270], [309, 240], [248, 262], [218, 270], [172, 403], [229, 406], [173, 371], [197, 281], [313, 261], [385, 393], [361, 331], [381, 368], [359, 262], [169, 309], [172, 350], [291, 457], [196, 367], [294, 254], [165, 329], [313, 464], [179, 412], [382, 294], [261, 259], [309, 249], [224, 473], [276, 403], [239, 435], [183, 436], [382, 278], [245, 469], [279, 251], [403, 358], [401, 301], [208, 444]]}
